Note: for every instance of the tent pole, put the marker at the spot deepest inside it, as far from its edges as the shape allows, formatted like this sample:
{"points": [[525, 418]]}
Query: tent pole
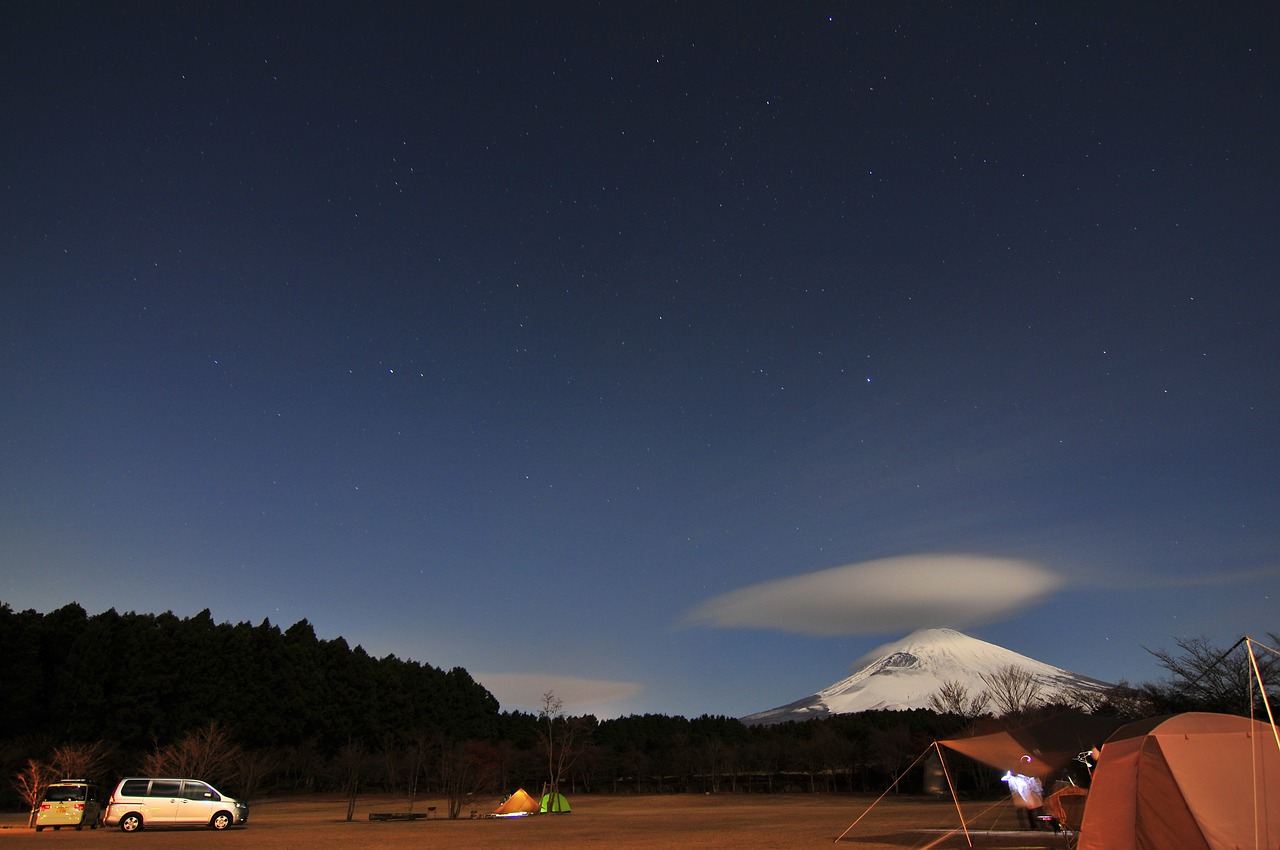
{"points": [[1262, 688], [1266, 701], [892, 785], [954, 798]]}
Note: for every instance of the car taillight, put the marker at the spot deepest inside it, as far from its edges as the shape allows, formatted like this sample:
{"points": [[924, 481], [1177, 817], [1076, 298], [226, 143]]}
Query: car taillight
{"points": [[44, 806], [79, 807]]}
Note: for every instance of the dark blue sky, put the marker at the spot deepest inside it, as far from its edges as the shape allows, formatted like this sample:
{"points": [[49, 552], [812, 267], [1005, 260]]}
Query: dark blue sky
{"points": [[516, 338]]}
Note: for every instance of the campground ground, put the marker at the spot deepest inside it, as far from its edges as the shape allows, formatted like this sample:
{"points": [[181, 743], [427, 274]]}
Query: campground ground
{"points": [[624, 822]]}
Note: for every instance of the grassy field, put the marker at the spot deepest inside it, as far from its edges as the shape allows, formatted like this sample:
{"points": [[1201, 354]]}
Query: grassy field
{"points": [[674, 822]]}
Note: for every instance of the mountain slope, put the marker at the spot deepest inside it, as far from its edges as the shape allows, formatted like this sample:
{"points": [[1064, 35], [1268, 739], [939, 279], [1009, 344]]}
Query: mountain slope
{"points": [[905, 674]]}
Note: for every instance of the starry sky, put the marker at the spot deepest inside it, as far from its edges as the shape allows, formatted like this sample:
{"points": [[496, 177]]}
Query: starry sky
{"points": [[667, 356]]}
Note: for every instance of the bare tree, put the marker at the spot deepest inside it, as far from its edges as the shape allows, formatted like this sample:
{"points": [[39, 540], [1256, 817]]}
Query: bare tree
{"points": [[713, 754], [351, 765], [32, 781], [254, 767], [1207, 677], [69, 760], [466, 769], [420, 745], [1120, 700], [507, 754], [208, 753], [1013, 690], [890, 750], [819, 755], [80, 760], [391, 759], [560, 740], [953, 698]]}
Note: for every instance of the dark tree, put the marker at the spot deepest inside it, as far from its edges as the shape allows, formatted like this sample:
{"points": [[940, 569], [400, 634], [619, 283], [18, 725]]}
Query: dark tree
{"points": [[1208, 677]]}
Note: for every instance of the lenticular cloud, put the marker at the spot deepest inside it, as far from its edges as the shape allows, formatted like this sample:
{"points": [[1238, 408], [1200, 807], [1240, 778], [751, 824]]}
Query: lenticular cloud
{"points": [[888, 594], [578, 695]]}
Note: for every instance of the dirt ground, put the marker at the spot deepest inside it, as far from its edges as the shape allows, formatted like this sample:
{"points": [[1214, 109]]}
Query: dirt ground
{"points": [[673, 822]]}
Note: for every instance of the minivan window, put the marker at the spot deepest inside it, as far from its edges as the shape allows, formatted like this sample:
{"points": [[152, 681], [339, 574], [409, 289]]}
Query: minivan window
{"points": [[134, 788], [165, 788], [65, 793], [199, 791]]}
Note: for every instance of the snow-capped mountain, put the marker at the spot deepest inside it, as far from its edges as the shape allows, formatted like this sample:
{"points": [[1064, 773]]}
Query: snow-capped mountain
{"points": [[907, 673]]}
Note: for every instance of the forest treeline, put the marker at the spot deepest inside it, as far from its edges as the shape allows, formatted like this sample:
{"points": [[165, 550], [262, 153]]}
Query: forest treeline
{"points": [[138, 679], [266, 710]]}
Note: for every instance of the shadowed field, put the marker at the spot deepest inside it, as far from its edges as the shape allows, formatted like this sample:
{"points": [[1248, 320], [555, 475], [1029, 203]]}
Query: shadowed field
{"points": [[675, 822]]}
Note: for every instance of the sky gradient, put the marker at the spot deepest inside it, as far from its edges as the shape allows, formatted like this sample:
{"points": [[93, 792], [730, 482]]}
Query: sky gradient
{"points": [[670, 358]]}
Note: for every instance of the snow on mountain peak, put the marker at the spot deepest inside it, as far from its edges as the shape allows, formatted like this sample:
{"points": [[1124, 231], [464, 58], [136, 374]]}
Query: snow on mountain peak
{"points": [[907, 673]]}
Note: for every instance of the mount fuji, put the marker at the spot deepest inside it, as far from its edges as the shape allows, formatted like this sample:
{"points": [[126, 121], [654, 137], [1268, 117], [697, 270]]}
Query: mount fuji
{"points": [[907, 673]]}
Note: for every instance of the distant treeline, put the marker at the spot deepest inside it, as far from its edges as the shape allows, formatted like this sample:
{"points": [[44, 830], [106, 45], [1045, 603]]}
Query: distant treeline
{"points": [[264, 710], [311, 714]]}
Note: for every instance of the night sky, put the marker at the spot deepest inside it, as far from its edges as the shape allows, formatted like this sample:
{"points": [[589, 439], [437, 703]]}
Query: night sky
{"points": [[669, 356]]}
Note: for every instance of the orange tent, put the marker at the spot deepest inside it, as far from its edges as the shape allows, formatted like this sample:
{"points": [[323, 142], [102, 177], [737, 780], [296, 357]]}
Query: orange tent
{"points": [[517, 805], [1187, 782]]}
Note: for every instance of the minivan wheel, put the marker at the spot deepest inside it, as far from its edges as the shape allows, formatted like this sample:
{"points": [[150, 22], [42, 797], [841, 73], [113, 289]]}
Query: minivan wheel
{"points": [[220, 821], [131, 823]]}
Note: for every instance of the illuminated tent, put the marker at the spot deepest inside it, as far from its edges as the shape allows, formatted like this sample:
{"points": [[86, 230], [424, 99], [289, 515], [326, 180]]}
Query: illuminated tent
{"points": [[554, 803], [1187, 782], [517, 805]]}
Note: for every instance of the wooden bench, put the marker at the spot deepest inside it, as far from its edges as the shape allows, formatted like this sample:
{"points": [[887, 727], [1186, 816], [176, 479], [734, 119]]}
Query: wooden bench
{"points": [[398, 815]]}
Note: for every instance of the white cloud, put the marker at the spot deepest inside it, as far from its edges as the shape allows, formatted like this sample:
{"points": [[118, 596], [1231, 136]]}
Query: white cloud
{"points": [[1212, 579], [523, 692], [891, 594]]}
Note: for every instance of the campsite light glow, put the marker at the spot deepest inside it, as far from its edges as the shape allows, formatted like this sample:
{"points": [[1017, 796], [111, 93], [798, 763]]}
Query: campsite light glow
{"points": [[1028, 793]]}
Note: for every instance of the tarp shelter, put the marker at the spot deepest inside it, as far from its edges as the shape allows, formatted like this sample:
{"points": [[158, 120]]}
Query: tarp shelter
{"points": [[517, 805], [555, 804], [1040, 749], [1188, 782]]}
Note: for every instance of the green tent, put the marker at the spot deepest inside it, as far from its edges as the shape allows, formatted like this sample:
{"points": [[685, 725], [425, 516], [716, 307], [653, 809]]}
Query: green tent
{"points": [[555, 804]]}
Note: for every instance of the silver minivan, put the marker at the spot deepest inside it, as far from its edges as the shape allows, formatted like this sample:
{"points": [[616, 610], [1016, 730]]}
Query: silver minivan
{"points": [[139, 802]]}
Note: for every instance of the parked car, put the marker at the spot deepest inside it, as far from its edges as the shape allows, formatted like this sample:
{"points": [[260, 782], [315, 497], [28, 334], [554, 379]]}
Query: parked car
{"points": [[149, 801], [71, 802]]}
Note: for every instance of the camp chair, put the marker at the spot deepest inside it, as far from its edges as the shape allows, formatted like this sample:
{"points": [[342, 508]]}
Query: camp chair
{"points": [[1065, 807]]}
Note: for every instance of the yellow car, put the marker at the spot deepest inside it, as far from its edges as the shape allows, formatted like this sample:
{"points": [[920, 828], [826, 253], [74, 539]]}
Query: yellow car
{"points": [[71, 802]]}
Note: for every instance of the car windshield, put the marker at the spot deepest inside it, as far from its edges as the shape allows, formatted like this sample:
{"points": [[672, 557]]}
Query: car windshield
{"points": [[64, 793]]}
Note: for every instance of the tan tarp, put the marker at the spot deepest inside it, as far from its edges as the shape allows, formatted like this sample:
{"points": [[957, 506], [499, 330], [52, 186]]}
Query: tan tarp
{"points": [[1038, 749], [1188, 782], [519, 803]]}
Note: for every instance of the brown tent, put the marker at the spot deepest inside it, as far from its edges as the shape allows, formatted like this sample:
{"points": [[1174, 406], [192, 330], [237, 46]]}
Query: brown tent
{"points": [[1187, 782], [517, 805]]}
